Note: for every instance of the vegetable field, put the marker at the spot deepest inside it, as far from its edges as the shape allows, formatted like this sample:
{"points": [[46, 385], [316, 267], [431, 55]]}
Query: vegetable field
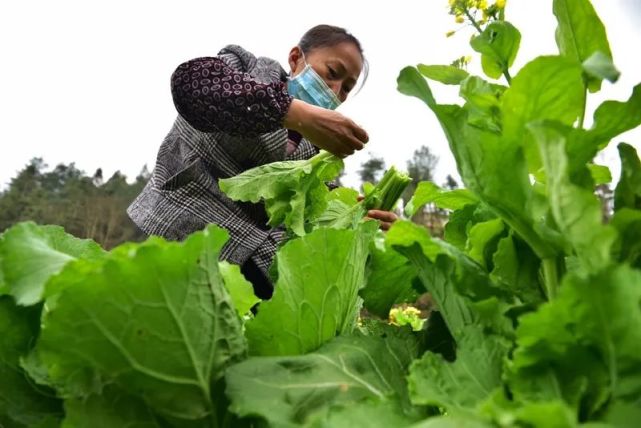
{"points": [[538, 320]]}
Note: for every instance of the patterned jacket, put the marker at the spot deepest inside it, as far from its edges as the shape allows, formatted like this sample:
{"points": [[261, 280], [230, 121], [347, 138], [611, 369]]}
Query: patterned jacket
{"points": [[231, 108]]}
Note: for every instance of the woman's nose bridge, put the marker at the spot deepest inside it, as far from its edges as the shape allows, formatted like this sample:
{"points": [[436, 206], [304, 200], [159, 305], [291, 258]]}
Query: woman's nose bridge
{"points": [[335, 86]]}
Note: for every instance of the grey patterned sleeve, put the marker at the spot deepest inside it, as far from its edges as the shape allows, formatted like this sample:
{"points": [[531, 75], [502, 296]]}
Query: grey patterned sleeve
{"points": [[212, 96]]}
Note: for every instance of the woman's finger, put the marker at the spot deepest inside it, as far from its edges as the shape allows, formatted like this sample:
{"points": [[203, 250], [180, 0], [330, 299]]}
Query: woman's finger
{"points": [[387, 216]]}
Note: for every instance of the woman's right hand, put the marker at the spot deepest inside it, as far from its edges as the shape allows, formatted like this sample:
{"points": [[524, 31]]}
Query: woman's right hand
{"points": [[326, 129]]}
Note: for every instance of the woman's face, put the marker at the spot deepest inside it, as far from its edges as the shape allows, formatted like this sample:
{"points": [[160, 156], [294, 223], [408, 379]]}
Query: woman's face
{"points": [[338, 65]]}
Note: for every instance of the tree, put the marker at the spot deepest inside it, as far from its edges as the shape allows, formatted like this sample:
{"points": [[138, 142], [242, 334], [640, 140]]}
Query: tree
{"points": [[66, 196], [421, 168], [450, 183], [372, 169]]}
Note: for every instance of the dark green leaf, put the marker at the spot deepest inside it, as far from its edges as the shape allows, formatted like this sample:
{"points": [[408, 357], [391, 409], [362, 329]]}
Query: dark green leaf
{"points": [[516, 268], [22, 402], [111, 409], [316, 296], [482, 241], [447, 74], [389, 280], [628, 190], [292, 391], [464, 383], [576, 211], [628, 247], [586, 340]]}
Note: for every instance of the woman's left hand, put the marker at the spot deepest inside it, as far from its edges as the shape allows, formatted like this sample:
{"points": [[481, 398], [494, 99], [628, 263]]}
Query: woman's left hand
{"points": [[385, 218]]}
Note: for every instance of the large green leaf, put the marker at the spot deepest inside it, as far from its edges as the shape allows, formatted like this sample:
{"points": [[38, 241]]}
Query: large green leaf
{"points": [[585, 341], [580, 34], [548, 87], [389, 280], [30, 254], [577, 211], [628, 247], [291, 391], [628, 191], [464, 383], [516, 268], [612, 118], [427, 192], [111, 409], [482, 157], [22, 402], [153, 318], [498, 45], [377, 413], [316, 296], [483, 240], [483, 103], [453, 279], [294, 191]]}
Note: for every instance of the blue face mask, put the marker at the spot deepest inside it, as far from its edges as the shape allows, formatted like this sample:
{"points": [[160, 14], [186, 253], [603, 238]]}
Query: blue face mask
{"points": [[308, 86]]}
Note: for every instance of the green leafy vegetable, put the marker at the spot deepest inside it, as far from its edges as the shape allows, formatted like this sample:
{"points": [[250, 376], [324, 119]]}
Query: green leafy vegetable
{"points": [[294, 191], [316, 296], [30, 254]]}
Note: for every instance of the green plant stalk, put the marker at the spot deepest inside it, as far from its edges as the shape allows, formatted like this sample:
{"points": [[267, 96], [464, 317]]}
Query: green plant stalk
{"points": [[387, 192], [550, 277]]}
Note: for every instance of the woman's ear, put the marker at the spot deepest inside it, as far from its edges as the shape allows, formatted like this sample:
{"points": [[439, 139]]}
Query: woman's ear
{"points": [[295, 59]]}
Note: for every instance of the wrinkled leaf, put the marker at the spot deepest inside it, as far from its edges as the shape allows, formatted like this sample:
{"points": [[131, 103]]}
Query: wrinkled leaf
{"points": [[316, 296], [290, 391], [155, 319]]}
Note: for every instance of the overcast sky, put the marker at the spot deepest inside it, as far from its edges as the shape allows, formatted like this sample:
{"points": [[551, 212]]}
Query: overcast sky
{"points": [[88, 81]]}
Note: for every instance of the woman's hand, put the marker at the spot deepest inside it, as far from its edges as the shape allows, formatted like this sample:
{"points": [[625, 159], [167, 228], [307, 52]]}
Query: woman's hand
{"points": [[326, 129], [385, 218]]}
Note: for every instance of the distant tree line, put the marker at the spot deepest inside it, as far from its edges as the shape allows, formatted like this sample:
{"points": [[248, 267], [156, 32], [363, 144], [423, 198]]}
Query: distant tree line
{"points": [[86, 206]]}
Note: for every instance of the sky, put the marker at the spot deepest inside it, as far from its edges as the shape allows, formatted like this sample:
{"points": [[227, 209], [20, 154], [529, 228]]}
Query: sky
{"points": [[88, 81]]}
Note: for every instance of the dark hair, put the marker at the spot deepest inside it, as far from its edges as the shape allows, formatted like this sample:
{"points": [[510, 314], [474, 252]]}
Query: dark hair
{"points": [[324, 35]]}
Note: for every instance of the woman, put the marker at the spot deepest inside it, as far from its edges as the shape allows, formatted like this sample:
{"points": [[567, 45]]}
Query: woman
{"points": [[237, 111]]}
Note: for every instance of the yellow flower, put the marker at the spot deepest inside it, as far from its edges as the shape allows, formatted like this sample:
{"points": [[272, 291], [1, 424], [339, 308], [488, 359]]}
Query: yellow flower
{"points": [[481, 4], [467, 59], [459, 19], [449, 33], [452, 2], [500, 4]]}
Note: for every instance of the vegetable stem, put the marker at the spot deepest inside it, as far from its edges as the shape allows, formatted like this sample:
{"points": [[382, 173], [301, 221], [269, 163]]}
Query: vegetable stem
{"points": [[550, 277]]}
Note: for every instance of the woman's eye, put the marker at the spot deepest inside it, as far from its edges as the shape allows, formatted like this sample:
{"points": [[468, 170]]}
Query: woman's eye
{"points": [[332, 73]]}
